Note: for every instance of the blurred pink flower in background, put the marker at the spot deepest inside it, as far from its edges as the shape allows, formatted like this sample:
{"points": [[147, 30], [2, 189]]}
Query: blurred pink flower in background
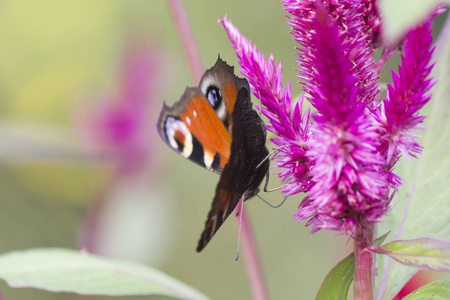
{"points": [[119, 128]]}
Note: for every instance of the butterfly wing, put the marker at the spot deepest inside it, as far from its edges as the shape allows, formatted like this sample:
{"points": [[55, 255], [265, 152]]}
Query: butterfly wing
{"points": [[198, 126], [221, 77], [241, 176], [193, 129]]}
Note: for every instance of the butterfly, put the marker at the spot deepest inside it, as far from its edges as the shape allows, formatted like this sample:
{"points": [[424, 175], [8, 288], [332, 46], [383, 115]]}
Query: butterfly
{"points": [[215, 126]]}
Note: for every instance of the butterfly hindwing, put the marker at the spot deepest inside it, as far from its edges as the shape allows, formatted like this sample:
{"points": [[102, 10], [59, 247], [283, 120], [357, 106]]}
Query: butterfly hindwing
{"points": [[241, 176]]}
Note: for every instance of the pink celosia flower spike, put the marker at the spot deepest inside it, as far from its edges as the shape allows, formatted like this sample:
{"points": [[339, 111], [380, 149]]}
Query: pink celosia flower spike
{"points": [[286, 118], [345, 159], [407, 95], [356, 36], [350, 186], [372, 20]]}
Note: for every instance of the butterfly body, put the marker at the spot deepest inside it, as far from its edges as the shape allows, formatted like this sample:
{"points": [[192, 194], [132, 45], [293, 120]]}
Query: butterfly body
{"points": [[216, 127], [240, 177]]}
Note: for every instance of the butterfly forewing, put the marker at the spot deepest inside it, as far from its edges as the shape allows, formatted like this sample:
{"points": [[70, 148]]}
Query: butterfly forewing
{"points": [[198, 126]]}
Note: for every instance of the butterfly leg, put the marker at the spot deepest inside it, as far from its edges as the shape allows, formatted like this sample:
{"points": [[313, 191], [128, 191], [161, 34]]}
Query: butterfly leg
{"points": [[267, 183], [273, 206], [266, 190], [266, 158]]}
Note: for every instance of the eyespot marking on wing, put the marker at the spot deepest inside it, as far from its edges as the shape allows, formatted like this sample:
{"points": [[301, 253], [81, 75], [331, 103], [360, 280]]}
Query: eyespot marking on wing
{"points": [[206, 82], [222, 111], [180, 139], [178, 136]]}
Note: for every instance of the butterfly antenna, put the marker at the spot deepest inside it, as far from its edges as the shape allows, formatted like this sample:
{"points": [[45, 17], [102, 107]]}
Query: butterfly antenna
{"points": [[241, 212], [273, 206]]}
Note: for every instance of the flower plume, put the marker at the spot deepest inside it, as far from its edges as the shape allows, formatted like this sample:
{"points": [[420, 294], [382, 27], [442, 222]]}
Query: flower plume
{"points": [[407, 95], [344, 155], [348, 175]]}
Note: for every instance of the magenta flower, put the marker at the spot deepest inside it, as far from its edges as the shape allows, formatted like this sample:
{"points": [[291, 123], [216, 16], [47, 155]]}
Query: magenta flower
{"points": [[120, 128], [343, 157], [399, 114]]}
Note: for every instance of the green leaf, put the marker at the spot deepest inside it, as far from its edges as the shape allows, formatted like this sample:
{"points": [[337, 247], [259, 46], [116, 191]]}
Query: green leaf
{"points": [[63, 270], [423, 253], [422, 206], [338, 280], [435, 290], [381, 239], [399, 15]]}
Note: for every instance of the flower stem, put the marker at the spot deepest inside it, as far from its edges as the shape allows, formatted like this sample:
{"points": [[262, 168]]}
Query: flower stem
{"points": [[251, 259], [364, 263], [187, 38]]}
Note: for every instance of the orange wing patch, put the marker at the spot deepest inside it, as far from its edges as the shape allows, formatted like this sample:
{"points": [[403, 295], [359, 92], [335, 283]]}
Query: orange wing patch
{"points": [[209, 130], [230, 94], [180, 136]]}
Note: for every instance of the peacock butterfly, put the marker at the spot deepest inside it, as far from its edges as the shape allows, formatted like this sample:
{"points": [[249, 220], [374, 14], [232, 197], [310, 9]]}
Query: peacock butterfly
{"points": [[215, 126]]}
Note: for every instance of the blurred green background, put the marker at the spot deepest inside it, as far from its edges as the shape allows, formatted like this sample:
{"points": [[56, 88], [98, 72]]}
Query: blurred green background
{"points": [[58, 60]]}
